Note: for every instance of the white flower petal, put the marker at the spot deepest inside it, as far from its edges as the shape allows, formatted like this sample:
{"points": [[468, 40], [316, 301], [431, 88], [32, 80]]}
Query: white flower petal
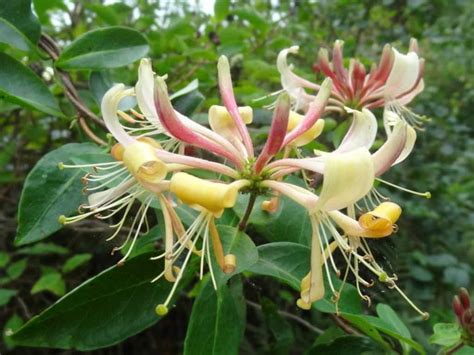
{"points": [[144, 90], [362, 132], [392, 149], [404, 74], [109, 107], [347, 178]]}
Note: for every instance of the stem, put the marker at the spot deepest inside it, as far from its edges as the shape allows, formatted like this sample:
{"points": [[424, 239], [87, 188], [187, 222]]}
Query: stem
{"points": [[290, 316], [455, 348], [48, 45], [245, 218]]}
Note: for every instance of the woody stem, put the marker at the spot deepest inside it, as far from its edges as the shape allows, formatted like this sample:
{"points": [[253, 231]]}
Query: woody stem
{"points": [[248, 211]]}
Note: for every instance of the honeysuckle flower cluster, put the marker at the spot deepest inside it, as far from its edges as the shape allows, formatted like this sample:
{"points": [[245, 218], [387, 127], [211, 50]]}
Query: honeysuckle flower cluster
{"points": [[150, 166]]}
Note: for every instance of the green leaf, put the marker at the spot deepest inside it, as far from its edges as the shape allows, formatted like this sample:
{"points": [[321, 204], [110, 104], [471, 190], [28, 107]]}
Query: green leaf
{"points": [[346, 344], [109, 47], [20, 85], [188, 103], [283, 260], [290, 262], [6, 295], [367, 328], [100, 82], [253, 17], [4, 259], [214, 327], [19, 27], [367, 324], [43, 249], [446, 334], [12, 324], [49, 192], [221, 9], [106, 309], [75, 262], [237, 243], [389, 316], [282, 334], [51, 281], [16, 269]]}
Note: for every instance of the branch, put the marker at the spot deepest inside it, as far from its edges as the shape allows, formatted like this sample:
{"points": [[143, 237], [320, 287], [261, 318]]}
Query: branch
{"points": [[290, 316], [48, 45]]}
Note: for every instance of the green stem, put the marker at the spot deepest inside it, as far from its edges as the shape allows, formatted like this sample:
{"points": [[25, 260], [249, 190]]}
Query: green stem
{"points": [[248, 211]]}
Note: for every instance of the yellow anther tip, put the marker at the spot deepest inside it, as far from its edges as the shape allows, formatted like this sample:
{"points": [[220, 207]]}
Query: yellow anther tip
{"points": [[383, 277], [428, 194], [230, 263], [62, 219], [161, 310], [425, 316], [60, 165]]}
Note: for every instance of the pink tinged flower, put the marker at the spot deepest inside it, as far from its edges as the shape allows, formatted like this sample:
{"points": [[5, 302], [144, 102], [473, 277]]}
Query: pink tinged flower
{"points": [[277, 132], [316, 108], [404, 74], [227, 94], [175, 126]]}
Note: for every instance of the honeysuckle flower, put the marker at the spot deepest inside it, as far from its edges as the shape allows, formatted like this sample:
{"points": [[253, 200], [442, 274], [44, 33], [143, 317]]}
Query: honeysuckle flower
{"points": [[392, 84], [151, 169]]}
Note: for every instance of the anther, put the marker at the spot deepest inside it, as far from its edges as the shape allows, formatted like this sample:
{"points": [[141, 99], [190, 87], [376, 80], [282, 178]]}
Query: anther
{"points": [[62, 219], [230, 262], [161, 310], [61, 166]]}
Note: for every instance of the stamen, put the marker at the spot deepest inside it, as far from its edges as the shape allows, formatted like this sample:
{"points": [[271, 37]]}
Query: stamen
{"points": [[426, 194]]}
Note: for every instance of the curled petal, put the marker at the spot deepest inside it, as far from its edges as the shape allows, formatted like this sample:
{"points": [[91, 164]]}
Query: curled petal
{"points": [[404, 74], [200, 193], [141, 160], [291, 82], [362, 132], [392, 149], [347, 178], [109, 107], [144, 90]]}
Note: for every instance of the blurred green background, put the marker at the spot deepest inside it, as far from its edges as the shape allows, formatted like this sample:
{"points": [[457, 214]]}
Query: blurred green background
{"points": [[433, 251]]}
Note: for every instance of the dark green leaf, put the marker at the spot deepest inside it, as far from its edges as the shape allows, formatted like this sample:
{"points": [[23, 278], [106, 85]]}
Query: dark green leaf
{"points": [[389, 316], [19, 27], [346, 344], [6, 295], [188, 103], [106, 309], [75, 262], [43, 249], [100, 82], [290, 262], [109, 47], [51, 281], [12, 324], [16, 269], [4, 259], [214, 327], [49, 192], [20, 85], [281, 331], [446, 334]]}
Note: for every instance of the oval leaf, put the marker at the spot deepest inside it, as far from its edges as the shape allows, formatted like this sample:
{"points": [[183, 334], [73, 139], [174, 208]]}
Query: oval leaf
{"points": [[106, 309], [20, 85], [109, 47], [49, 192], [19, 27], [214, 327]]}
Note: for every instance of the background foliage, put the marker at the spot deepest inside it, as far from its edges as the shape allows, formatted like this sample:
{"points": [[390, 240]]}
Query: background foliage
{"points": [[99, 43]]}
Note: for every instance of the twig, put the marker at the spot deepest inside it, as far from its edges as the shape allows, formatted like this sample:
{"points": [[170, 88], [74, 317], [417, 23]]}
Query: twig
{"points": [[48, 45], [245, 218], [344, 326], [290, 316], [455, 348]]}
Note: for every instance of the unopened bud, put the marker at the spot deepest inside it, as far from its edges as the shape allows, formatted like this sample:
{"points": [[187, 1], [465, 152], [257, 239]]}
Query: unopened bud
{"points": [[457, 307], [467, 317], [464, 297]]}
